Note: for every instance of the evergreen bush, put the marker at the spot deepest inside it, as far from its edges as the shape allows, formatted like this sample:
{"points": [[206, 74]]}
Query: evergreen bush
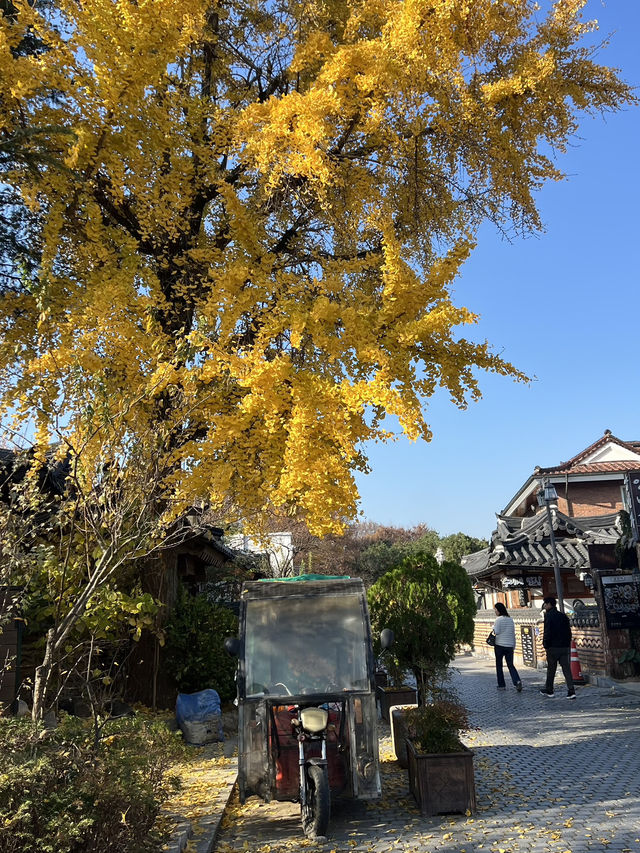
{"points": [[194, 646], [430, 608], [436, 727]]}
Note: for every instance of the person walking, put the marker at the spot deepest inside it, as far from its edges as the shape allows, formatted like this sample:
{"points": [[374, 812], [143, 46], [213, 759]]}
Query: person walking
{"points": [[505, 633], [557, 644]]}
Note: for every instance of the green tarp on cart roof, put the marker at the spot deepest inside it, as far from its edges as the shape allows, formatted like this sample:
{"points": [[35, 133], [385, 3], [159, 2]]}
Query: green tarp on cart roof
{"points": [[306, 578]]}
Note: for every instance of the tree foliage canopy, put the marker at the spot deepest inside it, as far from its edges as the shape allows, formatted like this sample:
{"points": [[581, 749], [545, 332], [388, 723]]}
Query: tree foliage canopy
{"points": [[368, 550], [249, 249], [195, 635]]}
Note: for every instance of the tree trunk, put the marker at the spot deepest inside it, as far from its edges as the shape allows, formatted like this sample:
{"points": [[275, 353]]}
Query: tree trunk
{"points": [[421, 684], [42, 676]]}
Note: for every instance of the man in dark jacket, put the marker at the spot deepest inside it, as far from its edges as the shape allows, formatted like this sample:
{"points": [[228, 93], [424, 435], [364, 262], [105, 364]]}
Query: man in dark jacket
{"points": [[557, 644]]}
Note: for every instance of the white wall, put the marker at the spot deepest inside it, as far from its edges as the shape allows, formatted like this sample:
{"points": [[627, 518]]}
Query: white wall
{"points": [[278, 547]]}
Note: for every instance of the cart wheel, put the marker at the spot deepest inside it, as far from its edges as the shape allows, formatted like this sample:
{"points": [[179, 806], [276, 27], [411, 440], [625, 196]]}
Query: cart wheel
{"points": [[315, 814]]}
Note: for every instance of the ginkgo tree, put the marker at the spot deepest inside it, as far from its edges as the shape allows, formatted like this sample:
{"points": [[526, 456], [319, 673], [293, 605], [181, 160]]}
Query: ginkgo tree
{"points": [[249, 247]]}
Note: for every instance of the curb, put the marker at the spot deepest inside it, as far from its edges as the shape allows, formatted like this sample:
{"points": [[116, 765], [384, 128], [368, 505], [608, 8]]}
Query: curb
{"points": [[208, 826], [628, 687], [203, 832], [180, 835]]}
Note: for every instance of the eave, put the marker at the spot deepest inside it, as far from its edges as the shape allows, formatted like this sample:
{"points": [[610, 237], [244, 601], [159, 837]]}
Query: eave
{"points": [[525, 543]]}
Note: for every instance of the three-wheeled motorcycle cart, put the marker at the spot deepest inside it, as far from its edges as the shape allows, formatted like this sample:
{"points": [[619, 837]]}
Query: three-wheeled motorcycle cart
{"points": [[307, 722]]}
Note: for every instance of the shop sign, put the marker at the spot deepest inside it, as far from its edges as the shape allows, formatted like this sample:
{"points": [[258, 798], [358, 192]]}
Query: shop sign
{"points": [[621, 599], [522, 582], [528, 645], [634, 484], [512, 583]]}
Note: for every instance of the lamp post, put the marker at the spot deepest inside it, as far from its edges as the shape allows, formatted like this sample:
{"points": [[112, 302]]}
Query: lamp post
{"points": [[546, 496]]}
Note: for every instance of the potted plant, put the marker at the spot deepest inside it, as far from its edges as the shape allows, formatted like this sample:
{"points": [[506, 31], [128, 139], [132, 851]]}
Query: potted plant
{"points": [[429, 607], [440, 766], [396, 691]]}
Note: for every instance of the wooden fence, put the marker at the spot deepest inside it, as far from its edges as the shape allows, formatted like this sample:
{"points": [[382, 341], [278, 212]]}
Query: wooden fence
{"points": [[9, 650]]}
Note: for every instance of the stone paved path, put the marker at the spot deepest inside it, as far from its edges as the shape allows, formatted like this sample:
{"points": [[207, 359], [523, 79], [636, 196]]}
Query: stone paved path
{"points": [[552, 776]]}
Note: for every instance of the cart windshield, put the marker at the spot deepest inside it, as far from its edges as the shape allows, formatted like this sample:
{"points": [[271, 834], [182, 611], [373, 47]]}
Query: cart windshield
{"points": [[306, 644]]}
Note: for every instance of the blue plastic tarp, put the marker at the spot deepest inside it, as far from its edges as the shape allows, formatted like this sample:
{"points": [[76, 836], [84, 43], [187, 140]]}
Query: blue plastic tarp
{"points": [[199, 716]]}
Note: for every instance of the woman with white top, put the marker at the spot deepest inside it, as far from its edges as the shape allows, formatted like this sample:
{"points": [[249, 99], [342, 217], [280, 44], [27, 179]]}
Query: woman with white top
{"points": [[505, 633]]}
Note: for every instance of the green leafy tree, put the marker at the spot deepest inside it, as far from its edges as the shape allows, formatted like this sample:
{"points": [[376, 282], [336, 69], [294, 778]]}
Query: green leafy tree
{"points": [[378, 558], [391, 545], [458, 545], [368, 550], [430, 609]]}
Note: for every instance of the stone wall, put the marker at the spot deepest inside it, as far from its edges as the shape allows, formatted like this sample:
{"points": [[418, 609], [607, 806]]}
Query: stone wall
{"points": [[586, 635], [588, 640], [528, 649]]}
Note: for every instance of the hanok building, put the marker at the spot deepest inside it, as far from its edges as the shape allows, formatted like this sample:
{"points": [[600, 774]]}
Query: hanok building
{"points": [[195, 555], [578, 521]]}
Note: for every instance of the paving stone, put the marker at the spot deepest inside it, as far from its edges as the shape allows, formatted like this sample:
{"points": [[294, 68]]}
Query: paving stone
{"points": [[551, 776]]}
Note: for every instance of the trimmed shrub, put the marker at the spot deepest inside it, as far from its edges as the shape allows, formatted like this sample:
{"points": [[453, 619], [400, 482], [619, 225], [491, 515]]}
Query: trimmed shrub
{"points": [[436, 728], [430, 607]]}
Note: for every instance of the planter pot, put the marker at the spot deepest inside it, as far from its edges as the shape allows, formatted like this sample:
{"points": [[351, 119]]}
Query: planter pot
{"points": [[381, 678], [442, 783], [388, 696], [399, 732]]}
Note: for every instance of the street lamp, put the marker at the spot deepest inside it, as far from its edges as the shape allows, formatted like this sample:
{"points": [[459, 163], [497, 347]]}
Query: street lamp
{"points": [[546, 496]]}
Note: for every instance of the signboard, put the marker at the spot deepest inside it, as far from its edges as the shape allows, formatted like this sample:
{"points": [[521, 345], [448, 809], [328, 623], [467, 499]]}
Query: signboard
{"points": [[572, 587], [634, 486], [522, 582], [621, 600], [528, 645]]}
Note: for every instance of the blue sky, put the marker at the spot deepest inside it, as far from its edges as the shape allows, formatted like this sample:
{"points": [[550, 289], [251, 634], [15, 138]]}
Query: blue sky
{"points": [[561, 306]]}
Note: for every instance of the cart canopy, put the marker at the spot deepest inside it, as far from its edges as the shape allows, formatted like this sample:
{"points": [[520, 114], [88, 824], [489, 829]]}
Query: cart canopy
{"points": [[306, 636]]}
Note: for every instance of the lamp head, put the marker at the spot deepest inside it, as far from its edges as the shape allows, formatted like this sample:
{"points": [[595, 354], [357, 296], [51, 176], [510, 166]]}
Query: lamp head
{"points": [[547, 494]]}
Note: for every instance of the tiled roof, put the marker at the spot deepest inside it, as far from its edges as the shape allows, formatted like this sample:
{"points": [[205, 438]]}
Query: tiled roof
{"points": [[476, 563], [205, 536], [597, 528], [604, 463], [573, 465], [525, 542], [572, 554], [14, 465], [592, 467]]}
